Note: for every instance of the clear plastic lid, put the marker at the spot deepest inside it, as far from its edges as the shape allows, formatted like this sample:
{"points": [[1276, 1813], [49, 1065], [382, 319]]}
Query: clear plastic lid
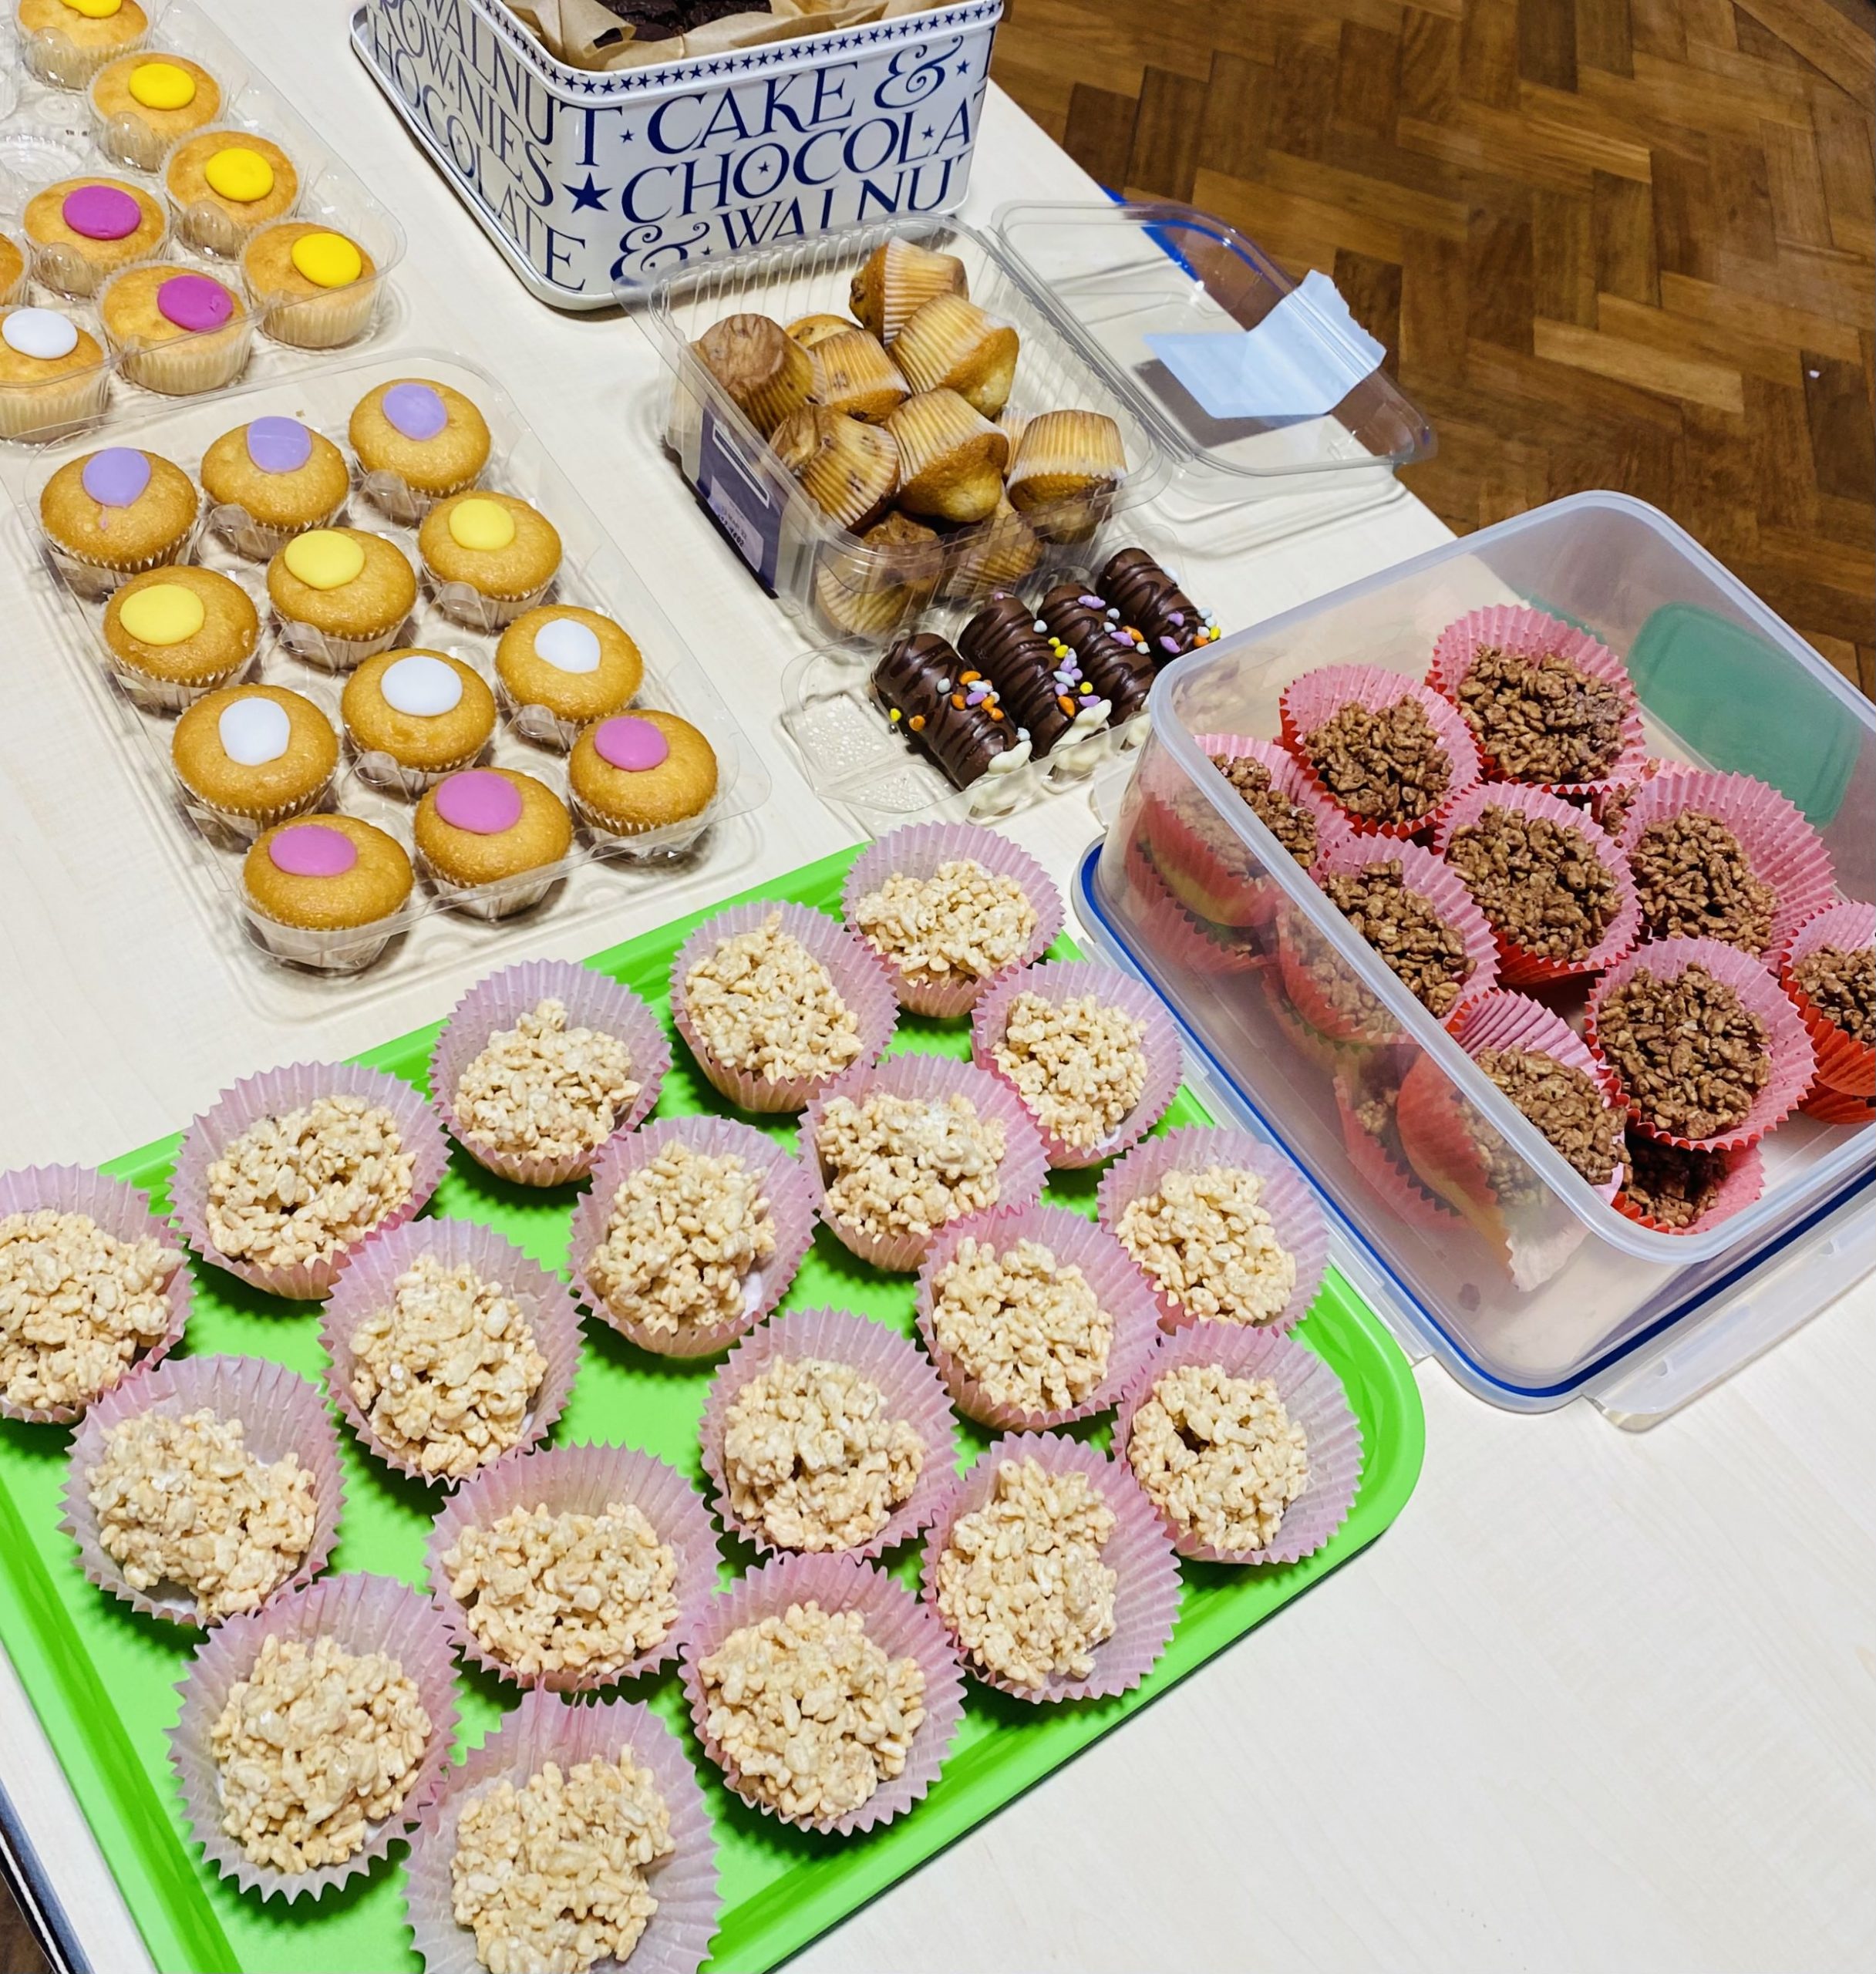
{"points": [[1117, 274]]}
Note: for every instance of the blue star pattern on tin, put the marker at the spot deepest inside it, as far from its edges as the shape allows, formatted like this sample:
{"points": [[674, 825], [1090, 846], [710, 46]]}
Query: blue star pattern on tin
{"points": [[588, 197]]}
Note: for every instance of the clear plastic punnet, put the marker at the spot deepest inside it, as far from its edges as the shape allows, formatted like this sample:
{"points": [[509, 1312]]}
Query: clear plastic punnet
{"points": [[66, 114], [1083, 285], [1522, 1275]]}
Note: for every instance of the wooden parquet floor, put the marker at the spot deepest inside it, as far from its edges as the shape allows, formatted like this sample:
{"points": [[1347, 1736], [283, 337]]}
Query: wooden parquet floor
{"points": [[1626, 243]]}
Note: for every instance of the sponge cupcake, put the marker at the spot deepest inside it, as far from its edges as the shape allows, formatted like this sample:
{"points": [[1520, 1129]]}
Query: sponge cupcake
{"points": [[145, 103], [490, 556], [249, 756], [639, 773], [175, 331], [492, 841], [82, 229], [176, 632], [115, 512], [414, 716], [341, 595], [328, 892], [270, 480], [560, 668], [417, 442]]}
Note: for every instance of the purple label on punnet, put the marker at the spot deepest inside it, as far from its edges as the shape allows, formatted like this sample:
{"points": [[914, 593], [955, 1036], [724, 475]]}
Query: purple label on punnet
{"points": [[746, 508], [115, 476], [193, 301], [415, 410], [279, 445]]}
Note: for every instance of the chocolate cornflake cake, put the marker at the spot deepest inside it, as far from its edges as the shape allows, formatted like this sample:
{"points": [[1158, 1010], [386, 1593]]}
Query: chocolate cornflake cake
{"points": [[1043, 691], [1148, 598], [1292, 825], [1418, 945], [1840, 984], [1085, 626], [1671, 1185], [1564, 1104], [1692, 1055], [948, 708]]}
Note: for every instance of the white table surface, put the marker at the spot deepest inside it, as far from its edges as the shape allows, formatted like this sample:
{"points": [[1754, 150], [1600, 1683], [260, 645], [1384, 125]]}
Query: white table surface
{"points": [[1599, 1699]]}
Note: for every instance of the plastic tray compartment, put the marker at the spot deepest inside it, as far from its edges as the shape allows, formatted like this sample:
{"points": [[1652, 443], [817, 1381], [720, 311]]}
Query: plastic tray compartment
{"points": [[594, 573], [49, 133], [1545, 1289], [783, 536], [104, 1686]]}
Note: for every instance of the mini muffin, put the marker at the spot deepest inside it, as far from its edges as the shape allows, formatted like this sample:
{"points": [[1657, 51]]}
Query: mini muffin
{"points": [[891, 576], [951, 457], [764, 369], [488, 827], [417, 441], [255, 755], [423, 713], [67, 41], [117, 511], [847, 469], [312, 288], [317, 886], [561, 667], [177, 332], [812, 331], [641, 771], [897, 280], [12, 270], [225, 185], [82, 229], [176, 632], [948, 343], [342, 595], [490, 556], [1066, 466], [52, 376], [853, 374], [145, 103], [278, 478]]}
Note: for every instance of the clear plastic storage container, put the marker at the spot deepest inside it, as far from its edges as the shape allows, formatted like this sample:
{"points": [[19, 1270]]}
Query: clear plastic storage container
{"points": [[1544, 1289], [1083, 285]]}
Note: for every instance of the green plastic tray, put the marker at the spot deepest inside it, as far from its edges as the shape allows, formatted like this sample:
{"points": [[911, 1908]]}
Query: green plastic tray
{"points": [[103, 1679]]}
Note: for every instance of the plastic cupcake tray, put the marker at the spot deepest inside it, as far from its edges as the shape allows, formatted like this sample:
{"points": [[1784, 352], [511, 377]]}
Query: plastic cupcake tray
{"points": [[855, 761], [48, 133], [103, 1684], [428, 934]]}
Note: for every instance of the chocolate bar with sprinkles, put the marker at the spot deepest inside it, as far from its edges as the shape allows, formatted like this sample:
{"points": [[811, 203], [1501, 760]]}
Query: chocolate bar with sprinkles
{"points": [[1043, 689], [1149, 600], [948, 708], [1114, 662]]}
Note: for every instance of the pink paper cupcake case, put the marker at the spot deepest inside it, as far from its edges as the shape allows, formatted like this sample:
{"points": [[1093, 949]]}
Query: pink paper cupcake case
{"points": [[1394, 1183], [1518, 968], [125, 1215], [1308, 700], [1439, 1127], [916, 851], [271, 1094], [1844, 1065], [544, 1729], [895, 1621], [1425, 876], [592, 1001], [1783, 849], [1119, 1286], [1295, 1217], [1290, 780], [580, 1479], [1531, 633], [1066, 980], [369, 1283], [931, 1079], [791, 1195], [1792, 1064], [1744, 1182], [1146, 1595], [912, 1391], [859, 975], [281, 1412], [1311, 1394], [364, 1614]]}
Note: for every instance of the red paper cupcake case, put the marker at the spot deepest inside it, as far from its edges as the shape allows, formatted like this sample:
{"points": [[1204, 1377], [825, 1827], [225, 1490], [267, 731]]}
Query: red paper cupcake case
{"points": [[1845, 1066], [1744, 1182]]}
